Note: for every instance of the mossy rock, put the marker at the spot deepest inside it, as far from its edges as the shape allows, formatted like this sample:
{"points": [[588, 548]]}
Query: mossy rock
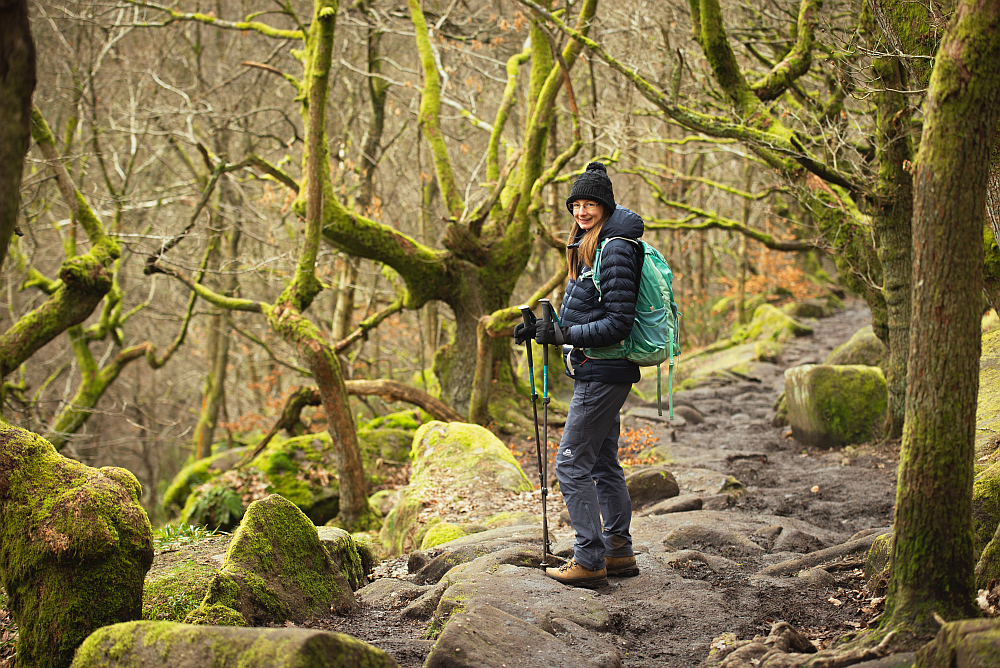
{"points": [[698, 367], [185, 646], [966, 643], [813, 307], [346, 556], [175, 591], [442, 532], [770, 323], [302, 469], [862, 348], [877, 565], [986, 505], [75, 545], [276, 569], [988, 566], [830, 406], [453, 463], [651, 485], [408, 420], [988, 404], [197, 473], [384, 500]]}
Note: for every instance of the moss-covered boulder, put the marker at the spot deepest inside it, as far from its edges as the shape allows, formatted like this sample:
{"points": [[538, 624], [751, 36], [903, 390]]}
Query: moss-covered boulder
{"points": [[174, 591], [813, 307], [988, 405], [830, 406], [458, 467], [986, 505], [439, 533], [275, 569], [988, 566], [162, 644], [967, 643], [862, 348], [770, 323], [75, 545], [738, 356], [651, 485], [346, 555], [198, 473], [214, 493]]}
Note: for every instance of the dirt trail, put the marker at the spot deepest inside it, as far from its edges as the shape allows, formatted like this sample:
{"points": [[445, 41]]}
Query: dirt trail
{"points": [[669, 614]]}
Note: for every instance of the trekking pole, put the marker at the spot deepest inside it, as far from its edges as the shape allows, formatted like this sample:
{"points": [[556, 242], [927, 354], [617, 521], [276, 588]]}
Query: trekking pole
{"points": [[525, 310], [546, 317]]}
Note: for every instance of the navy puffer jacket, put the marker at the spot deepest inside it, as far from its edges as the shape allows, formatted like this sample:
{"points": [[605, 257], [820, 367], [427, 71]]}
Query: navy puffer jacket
{"points": [[602, 320]]}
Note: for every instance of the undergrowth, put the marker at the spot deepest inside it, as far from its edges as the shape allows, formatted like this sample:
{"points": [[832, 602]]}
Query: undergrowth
{"points": [[175, 535]]}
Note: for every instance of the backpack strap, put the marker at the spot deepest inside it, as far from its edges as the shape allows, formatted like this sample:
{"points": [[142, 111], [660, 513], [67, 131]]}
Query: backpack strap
{"points": [[597, 261]]}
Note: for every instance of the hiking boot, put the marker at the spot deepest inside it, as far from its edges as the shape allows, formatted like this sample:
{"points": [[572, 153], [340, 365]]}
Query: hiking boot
{"points": [[620, 567], [575, 575]]}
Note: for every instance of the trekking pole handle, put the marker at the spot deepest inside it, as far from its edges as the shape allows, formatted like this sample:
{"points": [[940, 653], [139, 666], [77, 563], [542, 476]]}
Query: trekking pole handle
{"points": [[526, 316]]}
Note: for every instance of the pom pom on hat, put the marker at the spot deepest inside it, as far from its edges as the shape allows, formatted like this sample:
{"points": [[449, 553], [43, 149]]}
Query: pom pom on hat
{"points": [[594, 184]]}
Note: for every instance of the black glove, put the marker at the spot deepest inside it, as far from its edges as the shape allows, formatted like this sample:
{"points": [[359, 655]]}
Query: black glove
{"points": [[525, 332], [551, 333]]}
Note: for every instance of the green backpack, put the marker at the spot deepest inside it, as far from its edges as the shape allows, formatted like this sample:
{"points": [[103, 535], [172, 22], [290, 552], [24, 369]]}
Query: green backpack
{"points": [[654, 336]]}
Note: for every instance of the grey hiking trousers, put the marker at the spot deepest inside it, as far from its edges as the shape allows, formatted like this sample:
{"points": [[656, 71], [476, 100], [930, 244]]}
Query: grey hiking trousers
{"points": [[590, 478]]}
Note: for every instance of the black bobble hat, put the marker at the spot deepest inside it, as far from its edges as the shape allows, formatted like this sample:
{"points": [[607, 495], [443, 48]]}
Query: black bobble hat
{"points": [[595, 185]]}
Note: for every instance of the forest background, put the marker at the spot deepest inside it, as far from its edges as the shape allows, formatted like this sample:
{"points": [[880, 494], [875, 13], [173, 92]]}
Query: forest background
{"points": [[173, 148]]}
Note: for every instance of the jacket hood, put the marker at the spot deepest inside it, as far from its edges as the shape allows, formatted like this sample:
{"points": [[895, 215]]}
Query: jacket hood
{"points": [[622, 223]]}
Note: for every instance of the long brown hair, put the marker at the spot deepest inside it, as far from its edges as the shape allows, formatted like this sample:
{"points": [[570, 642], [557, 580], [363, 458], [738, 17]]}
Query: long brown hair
{"points": [[583, 253]]}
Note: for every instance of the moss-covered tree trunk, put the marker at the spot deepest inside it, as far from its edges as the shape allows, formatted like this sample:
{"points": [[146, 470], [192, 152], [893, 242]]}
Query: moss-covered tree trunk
{"points": [[932, 549], [17, 83], [891, 215]]}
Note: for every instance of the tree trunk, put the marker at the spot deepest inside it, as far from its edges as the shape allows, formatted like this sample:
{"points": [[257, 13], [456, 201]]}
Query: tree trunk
{"points": [[932, 549], [17, 83], [217, 352], [891, 219]]}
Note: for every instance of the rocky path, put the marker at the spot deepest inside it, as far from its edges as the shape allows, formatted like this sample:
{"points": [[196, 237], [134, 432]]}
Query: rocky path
{"points": [[759, 499]]}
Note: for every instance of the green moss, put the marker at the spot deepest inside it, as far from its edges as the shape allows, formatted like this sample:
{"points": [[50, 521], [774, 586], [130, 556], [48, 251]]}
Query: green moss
{"points": [[276, 568], [215, 615], [57, 515], [158, 643], [441, 532], [835, 405], [175, 593], [862, 348], [463, 460], [877, 565], [770, 323], [986, 505], [408, 420]]}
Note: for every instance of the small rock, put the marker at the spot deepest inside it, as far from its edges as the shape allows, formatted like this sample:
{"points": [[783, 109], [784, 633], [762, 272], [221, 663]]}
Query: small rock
{"points": [[678, 504], [818, 576], [651, 485], [416, 561]]}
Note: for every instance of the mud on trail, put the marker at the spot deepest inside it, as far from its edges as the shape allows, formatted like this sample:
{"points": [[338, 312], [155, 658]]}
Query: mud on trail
{"points": [[796, 500]]}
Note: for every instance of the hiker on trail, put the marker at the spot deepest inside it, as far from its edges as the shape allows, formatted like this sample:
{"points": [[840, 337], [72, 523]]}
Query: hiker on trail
{"points": [[590, 478]]}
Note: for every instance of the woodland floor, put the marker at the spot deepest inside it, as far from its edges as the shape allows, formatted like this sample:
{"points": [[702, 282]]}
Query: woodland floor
{"points": [[670, 620], [668, 617]]}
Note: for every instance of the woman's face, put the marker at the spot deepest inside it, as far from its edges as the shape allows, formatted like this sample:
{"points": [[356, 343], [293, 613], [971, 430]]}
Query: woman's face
{"points": [[587, 213]]}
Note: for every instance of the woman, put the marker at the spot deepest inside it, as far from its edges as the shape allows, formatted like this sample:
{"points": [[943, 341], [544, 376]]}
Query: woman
{"points": [[590, 478]]}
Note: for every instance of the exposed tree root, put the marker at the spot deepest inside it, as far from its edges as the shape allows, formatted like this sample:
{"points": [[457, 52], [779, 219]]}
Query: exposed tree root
{"points": [[785, 647]]}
